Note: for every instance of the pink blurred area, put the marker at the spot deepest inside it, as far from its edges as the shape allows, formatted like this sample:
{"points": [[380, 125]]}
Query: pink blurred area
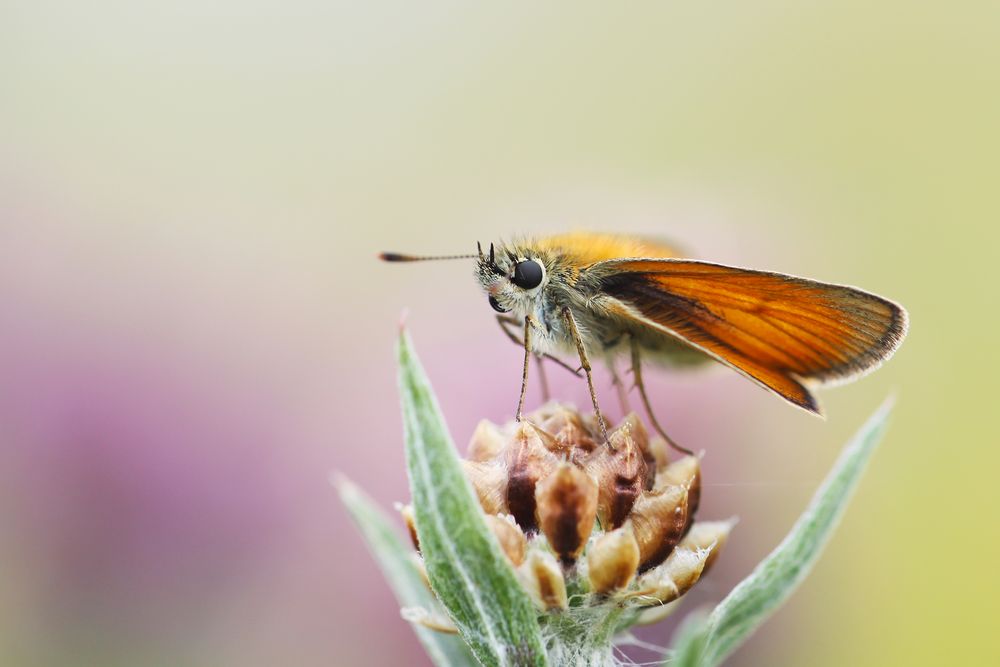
{"points": [[165, 455]]}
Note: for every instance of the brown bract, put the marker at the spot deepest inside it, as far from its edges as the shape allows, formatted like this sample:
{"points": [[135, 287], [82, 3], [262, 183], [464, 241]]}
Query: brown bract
{"points": [[567, 506], [659, 520], [613, 560], [510, 537], [528, 461]]}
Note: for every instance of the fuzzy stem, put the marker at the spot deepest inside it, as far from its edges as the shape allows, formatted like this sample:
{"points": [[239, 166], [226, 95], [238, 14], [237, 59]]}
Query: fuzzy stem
{"points": [[582, 638]]}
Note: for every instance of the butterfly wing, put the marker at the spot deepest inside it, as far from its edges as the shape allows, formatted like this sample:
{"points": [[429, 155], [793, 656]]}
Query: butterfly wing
{"points": [[781, 331]]}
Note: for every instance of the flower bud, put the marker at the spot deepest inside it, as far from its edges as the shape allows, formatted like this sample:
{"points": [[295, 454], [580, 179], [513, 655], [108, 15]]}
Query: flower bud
{"points": [[613, 521], [612, 560], [567, 507]]}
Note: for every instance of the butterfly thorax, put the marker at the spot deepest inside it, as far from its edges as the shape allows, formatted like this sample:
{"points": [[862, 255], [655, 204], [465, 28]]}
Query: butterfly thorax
{"points": [[570, 283]]}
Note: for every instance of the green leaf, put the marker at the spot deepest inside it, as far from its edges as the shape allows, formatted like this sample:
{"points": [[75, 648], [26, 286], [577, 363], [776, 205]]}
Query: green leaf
{"points": [[755, 598], [394, 556], [690, 642], [467, 569]]}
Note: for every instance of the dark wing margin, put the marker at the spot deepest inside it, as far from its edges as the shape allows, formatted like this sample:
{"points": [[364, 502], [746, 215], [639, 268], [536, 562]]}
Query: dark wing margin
{"points": [[781, 331]]}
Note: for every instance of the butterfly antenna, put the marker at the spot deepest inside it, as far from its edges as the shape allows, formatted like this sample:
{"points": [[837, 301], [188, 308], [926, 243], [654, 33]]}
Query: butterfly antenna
{"points": [[399, 257]]}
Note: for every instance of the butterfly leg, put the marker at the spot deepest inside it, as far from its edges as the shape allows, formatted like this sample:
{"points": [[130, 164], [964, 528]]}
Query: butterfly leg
{"points": [[524, 371], [619, 385], [637, 375], [507, 322], [574, 332]]}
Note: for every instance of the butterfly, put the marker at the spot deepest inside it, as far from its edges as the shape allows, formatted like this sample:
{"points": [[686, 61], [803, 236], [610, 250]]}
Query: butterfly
{"points": [[604, 295]]}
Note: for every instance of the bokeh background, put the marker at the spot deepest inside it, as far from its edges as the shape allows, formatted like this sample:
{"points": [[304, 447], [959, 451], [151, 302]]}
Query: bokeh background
{"points": [[194, 330]]}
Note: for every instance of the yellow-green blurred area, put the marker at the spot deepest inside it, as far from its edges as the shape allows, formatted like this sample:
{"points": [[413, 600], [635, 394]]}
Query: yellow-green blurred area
{"points": [[194, 330]]}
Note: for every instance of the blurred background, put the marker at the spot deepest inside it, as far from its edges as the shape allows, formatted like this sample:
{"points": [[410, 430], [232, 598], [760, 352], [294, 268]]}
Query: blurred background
{"points": [[194, 330]]}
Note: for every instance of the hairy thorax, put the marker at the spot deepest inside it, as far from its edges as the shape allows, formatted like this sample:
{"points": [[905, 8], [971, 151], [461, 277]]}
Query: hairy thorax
{"points": [[604, 331]]}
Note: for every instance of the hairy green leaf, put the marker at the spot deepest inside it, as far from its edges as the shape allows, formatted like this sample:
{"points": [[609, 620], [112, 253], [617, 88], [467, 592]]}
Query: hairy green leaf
{"points": [[394, 556], [467, 569], [755, 598], [690, 640]]}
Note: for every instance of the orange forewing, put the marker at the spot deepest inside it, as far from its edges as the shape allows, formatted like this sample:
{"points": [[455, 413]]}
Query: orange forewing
{"points": [[779, 330]]}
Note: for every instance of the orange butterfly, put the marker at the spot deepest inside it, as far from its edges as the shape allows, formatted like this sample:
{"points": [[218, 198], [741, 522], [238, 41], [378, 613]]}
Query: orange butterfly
{"points": [[606, 295]]}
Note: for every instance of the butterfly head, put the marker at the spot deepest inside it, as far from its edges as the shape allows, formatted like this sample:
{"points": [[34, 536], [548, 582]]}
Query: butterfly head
{"points": [[512, 281]]}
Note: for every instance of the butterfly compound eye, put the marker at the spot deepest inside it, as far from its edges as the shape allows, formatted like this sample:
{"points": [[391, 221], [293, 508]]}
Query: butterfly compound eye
{"points": [[496, 306], [528, 274]]}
